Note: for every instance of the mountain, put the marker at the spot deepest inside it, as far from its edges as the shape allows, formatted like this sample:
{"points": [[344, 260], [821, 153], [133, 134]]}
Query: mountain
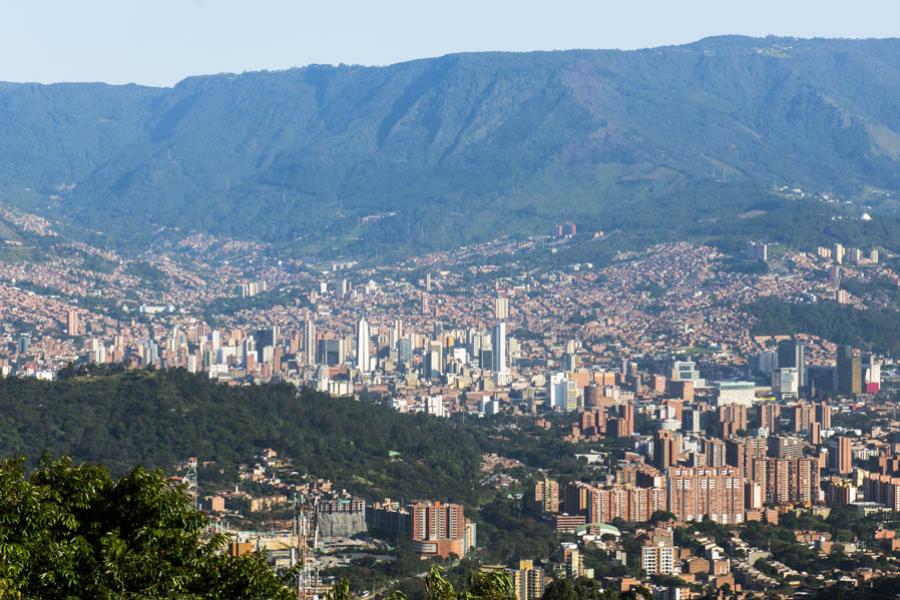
{"points": [[462, 147]]}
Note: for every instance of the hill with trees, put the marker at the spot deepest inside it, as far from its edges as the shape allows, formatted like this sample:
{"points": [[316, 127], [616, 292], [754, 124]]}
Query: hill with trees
{"points": [[463, 147], [872, 329], [160, 418]]}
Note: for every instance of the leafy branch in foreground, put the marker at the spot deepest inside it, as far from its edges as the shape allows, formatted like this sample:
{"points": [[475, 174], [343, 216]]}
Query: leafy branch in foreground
{"points": [[482, 585], [71, 531]]}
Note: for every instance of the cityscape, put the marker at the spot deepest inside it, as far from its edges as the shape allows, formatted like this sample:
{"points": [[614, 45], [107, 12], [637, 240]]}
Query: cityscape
{"points": [[469, 311], [649, 370]]}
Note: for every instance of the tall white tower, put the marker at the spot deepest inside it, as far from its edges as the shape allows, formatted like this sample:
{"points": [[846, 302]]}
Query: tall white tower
{"points": [[498, 353], [362, 345]]}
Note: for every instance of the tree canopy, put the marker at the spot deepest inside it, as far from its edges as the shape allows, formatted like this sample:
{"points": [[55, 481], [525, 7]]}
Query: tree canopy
{"points": [[72, 531]]}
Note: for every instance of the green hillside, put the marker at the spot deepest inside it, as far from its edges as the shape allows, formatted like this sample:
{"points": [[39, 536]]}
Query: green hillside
{"points": [[159, 419], [461, 147]]}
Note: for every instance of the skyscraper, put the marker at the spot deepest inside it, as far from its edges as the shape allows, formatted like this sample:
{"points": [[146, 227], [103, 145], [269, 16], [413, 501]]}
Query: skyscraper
{"points": [[666, 448], [309, 342], [849, 371], [362, 345], [498, 351], [844, 459], [501, 308], [433, 363], [791, 355], [404, 352]]}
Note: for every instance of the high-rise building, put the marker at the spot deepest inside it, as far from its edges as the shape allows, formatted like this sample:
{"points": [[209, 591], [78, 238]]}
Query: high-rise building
{"points": [[791, 355], [659, 558], [843, 456], [768, 416], [577, 498], [741, 452], [757, 251], [498, 351], [732, 419], [690, 420], [623, 425], [698, 492], [501, 308], [362, 345], [562, 393], [267, 337], [786, 382], [404, 352], [434, 360], [803, 415], [528, 581], [434, 406], [546, 495], [626, 502], [815, 434], [714, 452], [572, 560], [764, 362], [309, 342], [838, 253], [849, 371], [823, 414], [785, 447], [72, 326], [883, 489], [666, 449], [791, 480], [440, 529], [872, 378], [332, 351], [686, 370]]}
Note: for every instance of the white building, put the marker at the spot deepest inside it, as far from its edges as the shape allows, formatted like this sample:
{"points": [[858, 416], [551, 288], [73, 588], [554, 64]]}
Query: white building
{"points": [[735, 392], [562, 393], [786, 382], [434, 406], [362, 345], [498, 353], [658, 559]]}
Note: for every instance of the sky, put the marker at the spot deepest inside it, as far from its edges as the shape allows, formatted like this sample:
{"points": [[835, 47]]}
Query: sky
{"points": [[159, 42]]}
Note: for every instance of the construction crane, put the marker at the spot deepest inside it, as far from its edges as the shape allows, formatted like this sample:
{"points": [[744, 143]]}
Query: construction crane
{"points": [[304, 542]]}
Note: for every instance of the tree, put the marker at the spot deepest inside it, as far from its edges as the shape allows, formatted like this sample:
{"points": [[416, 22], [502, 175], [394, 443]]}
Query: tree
{"points": [[660, 516], [584, 588], [72, 531], [480, 586]]}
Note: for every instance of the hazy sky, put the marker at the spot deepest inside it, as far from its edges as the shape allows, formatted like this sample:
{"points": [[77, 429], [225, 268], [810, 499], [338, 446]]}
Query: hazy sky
{"points": [[161, 41]]}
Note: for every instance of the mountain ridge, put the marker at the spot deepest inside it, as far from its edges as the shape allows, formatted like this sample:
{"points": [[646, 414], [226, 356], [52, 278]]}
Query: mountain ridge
{"points": [[511, 141]]}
